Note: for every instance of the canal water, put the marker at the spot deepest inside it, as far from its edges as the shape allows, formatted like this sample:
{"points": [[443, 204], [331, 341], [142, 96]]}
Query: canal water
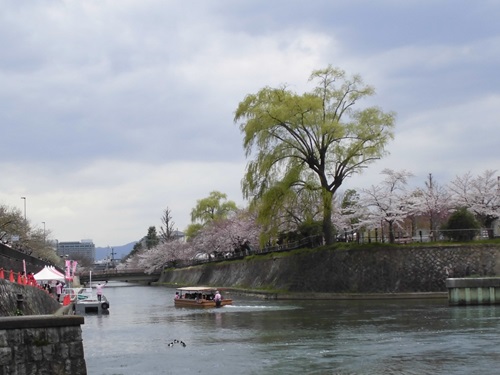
{"points": [[256, 336]]}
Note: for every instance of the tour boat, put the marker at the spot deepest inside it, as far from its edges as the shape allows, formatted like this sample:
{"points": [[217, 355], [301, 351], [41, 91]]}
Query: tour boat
{"points": [[199, 296]]}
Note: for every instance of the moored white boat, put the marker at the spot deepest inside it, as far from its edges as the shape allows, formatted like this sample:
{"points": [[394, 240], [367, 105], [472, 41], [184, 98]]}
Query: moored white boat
{"points": [[200, 296], [85, 300]]}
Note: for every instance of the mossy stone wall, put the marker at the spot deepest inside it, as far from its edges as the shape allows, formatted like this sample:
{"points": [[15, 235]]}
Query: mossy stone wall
{"points": [[391, 269]]}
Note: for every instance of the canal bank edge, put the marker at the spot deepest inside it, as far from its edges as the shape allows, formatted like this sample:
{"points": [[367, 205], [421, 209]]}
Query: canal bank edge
{"points": [[334, 296], [359, 272]]}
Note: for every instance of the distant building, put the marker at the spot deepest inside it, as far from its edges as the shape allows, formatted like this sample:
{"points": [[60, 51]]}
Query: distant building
{"points": [[81, 249], [179, 236]]}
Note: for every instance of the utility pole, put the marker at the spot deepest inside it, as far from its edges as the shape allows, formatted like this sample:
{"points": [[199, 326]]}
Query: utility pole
{"points": [[112, 260], [24, 198], [113, 257]]}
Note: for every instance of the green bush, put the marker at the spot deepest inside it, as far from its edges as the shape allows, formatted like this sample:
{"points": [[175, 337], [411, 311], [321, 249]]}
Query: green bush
{"points": [[461, 226]]}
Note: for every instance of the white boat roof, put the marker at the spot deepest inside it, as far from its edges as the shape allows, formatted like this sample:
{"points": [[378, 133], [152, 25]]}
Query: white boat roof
{"points": [[197, 289]]}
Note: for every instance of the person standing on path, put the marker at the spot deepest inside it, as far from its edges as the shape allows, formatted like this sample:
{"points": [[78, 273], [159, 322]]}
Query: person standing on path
{"points": [[99, 290], [59, 288]]}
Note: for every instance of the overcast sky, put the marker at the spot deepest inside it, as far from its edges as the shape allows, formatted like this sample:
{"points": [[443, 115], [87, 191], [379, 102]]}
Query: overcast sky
{"points": [[112, 110]]}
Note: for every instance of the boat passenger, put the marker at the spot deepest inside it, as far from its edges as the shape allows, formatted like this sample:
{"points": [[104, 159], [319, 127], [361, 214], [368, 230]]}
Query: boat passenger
{"points": [[217, 299], [177, 295]]}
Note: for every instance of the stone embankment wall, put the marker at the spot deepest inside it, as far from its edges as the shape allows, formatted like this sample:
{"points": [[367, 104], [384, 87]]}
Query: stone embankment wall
{"points": [[41, 345], [398, 269], [34, 301], [37, 342]]}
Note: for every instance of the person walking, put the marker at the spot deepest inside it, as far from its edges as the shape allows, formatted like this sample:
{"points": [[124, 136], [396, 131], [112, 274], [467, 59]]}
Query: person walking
{"points": [[99, 290]]}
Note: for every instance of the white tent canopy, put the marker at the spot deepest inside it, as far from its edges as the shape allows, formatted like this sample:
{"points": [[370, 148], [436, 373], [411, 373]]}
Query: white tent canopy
{"points": [[48, 273], [56, 271]]}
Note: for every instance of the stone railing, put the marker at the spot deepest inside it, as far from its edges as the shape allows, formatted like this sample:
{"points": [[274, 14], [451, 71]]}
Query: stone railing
{"points": [[42, 344]]}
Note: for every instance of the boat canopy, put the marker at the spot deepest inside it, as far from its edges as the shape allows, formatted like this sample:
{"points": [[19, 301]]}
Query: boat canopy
{"points": [[197, 289]]}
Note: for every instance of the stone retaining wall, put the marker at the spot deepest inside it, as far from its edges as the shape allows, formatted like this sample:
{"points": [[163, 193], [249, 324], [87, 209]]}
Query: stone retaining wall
{"points": [[391, 269], [42, 345], [34, 300]]}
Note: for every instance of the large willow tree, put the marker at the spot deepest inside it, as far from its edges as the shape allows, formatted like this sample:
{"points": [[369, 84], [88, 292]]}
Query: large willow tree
{"points": [[293, 139]]}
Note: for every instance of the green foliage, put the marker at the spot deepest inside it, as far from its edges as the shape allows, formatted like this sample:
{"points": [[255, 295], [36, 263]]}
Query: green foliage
{"points": [[461, 226], [192, 230], [304, 230], [213, 207], [295, 137], [152, 238], [135, 250], [310, 228], [287, 205], [349, 204]]}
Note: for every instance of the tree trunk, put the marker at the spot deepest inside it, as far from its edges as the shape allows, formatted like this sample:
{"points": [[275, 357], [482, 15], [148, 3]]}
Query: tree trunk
{"points": [[391, 232], [328, 231]]}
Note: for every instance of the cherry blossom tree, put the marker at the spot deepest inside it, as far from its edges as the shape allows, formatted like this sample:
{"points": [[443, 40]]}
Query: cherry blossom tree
{"points": [[347, 212], [156, 258], [388, 202], [480, 195], [236, 233], [433, 202], [239, 231]]}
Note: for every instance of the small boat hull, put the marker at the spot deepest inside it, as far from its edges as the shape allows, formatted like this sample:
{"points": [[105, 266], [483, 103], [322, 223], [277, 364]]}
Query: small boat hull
{"points": [[182, 302]]}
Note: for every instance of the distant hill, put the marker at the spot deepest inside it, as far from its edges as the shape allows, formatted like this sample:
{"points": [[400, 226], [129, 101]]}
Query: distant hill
{"points": [[120, 252]]}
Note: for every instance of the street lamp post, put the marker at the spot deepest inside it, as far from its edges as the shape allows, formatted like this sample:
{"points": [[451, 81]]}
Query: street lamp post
{"points": [[24, 198], [43, 222]]}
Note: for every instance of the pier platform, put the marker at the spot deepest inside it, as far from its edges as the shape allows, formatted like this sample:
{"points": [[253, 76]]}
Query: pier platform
{"points": [[473, 291]]}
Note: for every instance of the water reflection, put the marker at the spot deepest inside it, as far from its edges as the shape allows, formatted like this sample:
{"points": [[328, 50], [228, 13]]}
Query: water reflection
{"points": [[289, 337]]}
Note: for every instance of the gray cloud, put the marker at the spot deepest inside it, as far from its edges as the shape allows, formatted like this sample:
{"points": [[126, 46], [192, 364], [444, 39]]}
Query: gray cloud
{"points": [[111, 111]]}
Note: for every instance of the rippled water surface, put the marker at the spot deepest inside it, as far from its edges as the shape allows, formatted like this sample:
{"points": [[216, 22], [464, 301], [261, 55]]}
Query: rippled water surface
{"points": [[255, 336]]}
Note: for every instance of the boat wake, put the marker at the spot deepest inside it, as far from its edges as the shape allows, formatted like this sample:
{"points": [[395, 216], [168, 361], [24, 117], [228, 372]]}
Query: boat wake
{"points": [[261, 307]]}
